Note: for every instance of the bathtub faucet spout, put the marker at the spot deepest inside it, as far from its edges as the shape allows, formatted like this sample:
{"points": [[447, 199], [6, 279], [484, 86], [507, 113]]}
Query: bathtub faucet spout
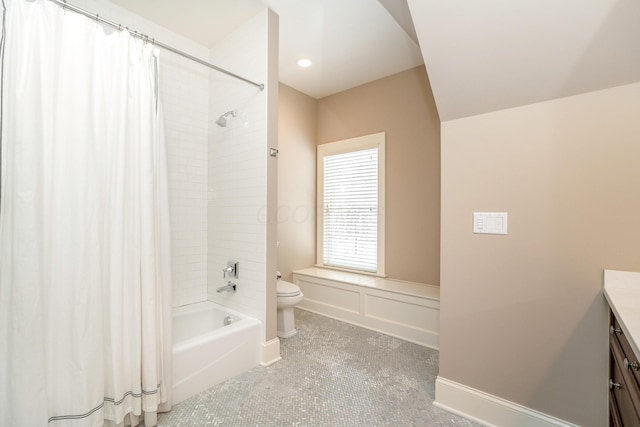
{"points": [[229, 287]]}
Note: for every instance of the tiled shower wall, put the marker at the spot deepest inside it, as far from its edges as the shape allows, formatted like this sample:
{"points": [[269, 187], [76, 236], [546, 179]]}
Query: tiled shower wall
{"points": [[185, 101], [184, 90], [237, 169]]}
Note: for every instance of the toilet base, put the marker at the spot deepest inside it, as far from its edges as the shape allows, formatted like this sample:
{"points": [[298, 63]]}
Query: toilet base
{"points": [[286, 322]]}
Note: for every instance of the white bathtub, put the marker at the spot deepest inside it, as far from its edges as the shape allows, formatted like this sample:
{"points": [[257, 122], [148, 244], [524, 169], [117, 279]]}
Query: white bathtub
{"points": [[205, 352]]}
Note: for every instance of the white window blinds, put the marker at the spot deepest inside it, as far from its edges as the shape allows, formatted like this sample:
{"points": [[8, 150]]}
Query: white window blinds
{"points": [[350, 220]]}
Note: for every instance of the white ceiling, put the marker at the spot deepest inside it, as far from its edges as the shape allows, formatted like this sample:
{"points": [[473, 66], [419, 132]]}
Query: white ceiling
{"points": [[488, 55], [481, 55], [350, 42]]}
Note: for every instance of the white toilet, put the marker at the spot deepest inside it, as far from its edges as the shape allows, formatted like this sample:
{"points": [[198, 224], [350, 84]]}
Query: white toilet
{"points": [[289, 295]]}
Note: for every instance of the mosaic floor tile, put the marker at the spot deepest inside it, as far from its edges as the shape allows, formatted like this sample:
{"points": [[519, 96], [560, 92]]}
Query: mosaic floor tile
{"points": [[331, 374]]}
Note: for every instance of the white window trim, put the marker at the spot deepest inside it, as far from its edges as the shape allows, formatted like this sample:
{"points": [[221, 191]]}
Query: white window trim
{"points": [[366, 142]]}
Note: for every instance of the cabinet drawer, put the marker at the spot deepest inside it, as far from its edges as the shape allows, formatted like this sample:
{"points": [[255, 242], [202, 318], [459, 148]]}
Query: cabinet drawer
{"points": [[614, 415], [622, 396], [632, 365]]}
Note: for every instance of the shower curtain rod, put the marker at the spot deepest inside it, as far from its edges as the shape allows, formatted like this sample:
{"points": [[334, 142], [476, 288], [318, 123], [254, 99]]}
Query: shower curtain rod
{"points": [[65, 5]]}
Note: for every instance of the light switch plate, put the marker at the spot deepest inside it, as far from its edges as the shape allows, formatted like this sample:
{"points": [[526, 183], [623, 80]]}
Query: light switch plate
{"points": [[490, 222]]}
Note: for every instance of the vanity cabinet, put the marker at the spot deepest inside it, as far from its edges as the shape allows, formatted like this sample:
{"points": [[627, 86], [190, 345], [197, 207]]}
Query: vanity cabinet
{"points": [[624, 379], [622, 292]]}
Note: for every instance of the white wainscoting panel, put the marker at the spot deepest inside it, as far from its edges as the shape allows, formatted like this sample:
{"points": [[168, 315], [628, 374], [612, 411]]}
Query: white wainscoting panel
{"points": [[410, 311]]}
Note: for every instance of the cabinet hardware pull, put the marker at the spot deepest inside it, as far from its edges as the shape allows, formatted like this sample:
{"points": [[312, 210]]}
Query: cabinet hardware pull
{"points": [[613, 330], [633, 365], [613, 385]]}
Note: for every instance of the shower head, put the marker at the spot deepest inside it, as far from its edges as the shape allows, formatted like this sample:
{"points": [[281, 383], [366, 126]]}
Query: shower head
{"points": [[222, 120]]}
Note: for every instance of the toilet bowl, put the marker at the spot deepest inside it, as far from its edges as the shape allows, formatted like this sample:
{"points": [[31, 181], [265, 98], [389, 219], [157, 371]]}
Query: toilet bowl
{"points": [[289, 295]]}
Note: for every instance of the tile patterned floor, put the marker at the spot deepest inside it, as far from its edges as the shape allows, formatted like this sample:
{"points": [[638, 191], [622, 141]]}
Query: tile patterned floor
{"points": [[331, 374]]}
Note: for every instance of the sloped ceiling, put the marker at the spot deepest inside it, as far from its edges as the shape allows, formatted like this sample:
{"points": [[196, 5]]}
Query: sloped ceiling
{"points": [[399, 9], [488, 55], [351, 42]]}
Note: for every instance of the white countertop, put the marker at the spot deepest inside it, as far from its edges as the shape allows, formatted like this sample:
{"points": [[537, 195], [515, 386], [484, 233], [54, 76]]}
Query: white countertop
{"points": [[622, 290]]}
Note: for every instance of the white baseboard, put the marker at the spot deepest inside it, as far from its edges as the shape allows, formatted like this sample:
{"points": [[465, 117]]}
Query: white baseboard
{"points": [[270, 352], [488, 409]]}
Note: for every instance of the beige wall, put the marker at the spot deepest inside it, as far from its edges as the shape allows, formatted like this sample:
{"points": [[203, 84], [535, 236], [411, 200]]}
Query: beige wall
{"points": [[523, 316], [296, 181], [402, 106]]}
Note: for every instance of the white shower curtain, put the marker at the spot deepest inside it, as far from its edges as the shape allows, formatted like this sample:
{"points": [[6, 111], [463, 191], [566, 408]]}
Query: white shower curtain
{"points": [[84, 235]]}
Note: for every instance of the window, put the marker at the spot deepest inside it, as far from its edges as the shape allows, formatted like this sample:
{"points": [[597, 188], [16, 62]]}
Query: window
{"points": [[351, 204]]}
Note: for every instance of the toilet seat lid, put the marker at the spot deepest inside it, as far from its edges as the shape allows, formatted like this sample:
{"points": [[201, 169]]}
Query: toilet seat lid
{"points": [[287, 289]]}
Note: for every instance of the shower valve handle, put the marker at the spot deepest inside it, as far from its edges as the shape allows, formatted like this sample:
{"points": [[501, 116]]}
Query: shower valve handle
{"points": [[231, 270]]}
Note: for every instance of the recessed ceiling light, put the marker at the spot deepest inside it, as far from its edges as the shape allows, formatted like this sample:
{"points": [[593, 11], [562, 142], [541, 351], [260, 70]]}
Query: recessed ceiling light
{"points": [[304, 62]]}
